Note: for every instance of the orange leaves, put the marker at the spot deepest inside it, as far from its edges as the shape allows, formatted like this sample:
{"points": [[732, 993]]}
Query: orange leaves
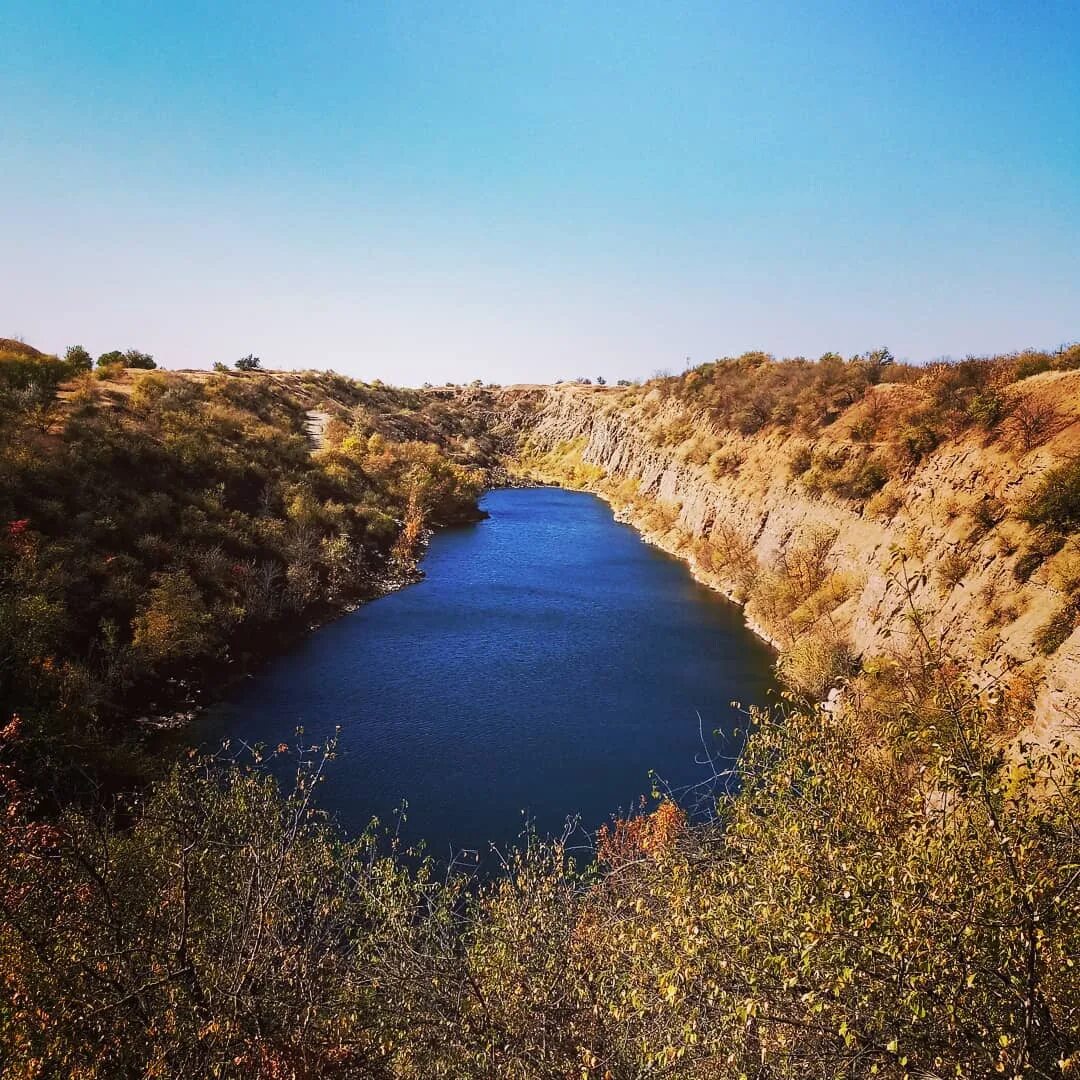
{"points": [[628, 839]]}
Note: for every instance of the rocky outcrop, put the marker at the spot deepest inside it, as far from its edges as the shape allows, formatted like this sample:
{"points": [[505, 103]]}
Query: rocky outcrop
{"points": [[942, 536]]}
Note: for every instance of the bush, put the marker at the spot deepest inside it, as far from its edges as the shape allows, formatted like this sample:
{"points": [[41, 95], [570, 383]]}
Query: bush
{"points": [[816, 662], [885, 505], [954, 567], [78, 359], [1058, 628], [130, 359], [1027, 563], [988, 408], [869, 478], [824, 924], [110, 371], [987, 513], [135, 359], [918, 440], [1031, 421], [1055, 502], [800, 460]]}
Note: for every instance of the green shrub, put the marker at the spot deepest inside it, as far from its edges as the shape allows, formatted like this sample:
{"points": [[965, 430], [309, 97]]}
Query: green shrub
{"points": [[1055, 502], [918, 440], [988, 408], [870, 477]]}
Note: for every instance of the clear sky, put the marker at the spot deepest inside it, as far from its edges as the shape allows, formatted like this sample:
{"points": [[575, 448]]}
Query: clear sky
{"points": [[523, 190]]}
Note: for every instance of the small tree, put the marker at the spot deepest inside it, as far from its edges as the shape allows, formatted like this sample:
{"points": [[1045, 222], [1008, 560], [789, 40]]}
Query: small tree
{"points": [[1031, 422], [78, 359], [248, 363]]}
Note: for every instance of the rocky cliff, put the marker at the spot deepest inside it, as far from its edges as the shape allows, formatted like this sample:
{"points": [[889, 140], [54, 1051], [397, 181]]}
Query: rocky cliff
{"points": [[942, 537]]}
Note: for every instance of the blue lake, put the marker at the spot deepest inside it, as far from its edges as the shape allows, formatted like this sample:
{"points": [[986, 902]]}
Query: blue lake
{"points": [[546, 663]]}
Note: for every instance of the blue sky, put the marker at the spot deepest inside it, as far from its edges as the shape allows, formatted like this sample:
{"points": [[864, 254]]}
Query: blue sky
{"points": [[519, 191]]}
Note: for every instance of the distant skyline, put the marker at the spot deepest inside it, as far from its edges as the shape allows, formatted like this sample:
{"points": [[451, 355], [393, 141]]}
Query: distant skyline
{"points": [[523, 192]]}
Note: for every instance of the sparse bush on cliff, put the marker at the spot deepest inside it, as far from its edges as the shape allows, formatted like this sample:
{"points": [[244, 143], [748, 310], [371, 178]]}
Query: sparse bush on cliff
{"points": [[988, 512], [1057, 629], [884, 505], [800, 460], [816, 661], [725, 463], [1055, 501], [864, 480], [734, 553], [953, 567], [1031, 421], [799, 577]]}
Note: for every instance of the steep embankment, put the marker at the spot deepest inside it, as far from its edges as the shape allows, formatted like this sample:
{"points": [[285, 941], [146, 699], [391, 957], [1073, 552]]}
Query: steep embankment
{"points": [[159, 530], [749, 515]]}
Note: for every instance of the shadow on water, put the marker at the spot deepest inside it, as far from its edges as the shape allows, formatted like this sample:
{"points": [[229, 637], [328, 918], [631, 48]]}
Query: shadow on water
{"points": [[547, 664]]}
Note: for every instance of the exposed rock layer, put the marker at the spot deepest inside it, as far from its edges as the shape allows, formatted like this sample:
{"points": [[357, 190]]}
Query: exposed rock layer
{"points": [[988, 617]]}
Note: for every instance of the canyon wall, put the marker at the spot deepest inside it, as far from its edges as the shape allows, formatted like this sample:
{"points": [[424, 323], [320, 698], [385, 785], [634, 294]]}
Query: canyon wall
{"points": [[943, 537]]}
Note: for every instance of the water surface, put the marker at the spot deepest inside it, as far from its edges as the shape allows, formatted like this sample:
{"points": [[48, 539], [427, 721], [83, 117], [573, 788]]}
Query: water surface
{"points": [[547, 662]]}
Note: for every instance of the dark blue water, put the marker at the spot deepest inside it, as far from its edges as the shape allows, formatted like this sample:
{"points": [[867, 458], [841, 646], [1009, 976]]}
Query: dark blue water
{"points": [[547, 662]]}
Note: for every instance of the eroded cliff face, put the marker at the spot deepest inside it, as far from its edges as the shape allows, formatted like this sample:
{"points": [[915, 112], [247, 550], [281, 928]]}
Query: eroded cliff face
{"points": [[942, 538]]}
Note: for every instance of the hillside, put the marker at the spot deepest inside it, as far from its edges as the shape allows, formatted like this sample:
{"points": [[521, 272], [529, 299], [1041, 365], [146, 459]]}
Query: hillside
{"points": [[860, 513], [163, 531]]}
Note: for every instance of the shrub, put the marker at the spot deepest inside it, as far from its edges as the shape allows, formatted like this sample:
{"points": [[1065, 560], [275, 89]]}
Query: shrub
{"points": [[884, 505], [987, 513], [988, 408], [78, 359], [1032, 363], [816, 662], [1057, 629], [1026, 564], [133, 358], [1031, 421], [800, 460], [868, 478], [725, 463], [175, 623], [1055, 501], [1065, 569], [917, 440], [110, 372], [954, 567]]}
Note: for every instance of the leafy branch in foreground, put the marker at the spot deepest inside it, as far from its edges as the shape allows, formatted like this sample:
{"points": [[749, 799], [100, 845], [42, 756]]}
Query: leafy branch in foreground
{"points": [[878, 898]]}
